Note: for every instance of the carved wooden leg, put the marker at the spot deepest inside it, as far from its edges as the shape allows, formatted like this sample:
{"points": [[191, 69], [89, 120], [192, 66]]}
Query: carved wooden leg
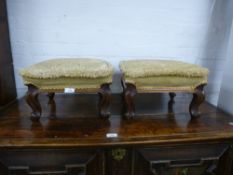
{"points": [[122, 95], [104, 100], [172, 96], [129, 93], [123, 85], [52, 104], [171, 102], [51, 96], [33, 102], [198, 98]]}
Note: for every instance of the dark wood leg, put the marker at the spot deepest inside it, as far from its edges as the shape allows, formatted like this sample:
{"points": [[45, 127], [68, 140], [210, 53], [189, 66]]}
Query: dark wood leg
{"points": [[51, 96], [52, 104], [129, 93], [172, 96], [33, 102], [122, 95], [123, 85], [171, 102], [104, 100], [198, 98]]}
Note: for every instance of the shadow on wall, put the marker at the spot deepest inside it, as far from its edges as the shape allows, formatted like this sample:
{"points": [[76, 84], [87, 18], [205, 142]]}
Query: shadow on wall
{"points": [[226, 92], [215, 46]]}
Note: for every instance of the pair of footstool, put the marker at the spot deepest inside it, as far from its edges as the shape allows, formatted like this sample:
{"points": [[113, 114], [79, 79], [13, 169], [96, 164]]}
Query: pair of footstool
{"points": [[95, 76]]}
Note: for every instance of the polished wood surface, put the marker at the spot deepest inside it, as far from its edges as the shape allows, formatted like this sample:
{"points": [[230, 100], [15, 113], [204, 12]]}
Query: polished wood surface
{"points": [[7, 81], [77, 123]]}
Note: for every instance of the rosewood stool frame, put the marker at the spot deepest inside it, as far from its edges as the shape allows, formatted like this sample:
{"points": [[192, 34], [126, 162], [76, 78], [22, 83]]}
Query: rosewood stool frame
{"points": [[129, 91], [33, 101]]}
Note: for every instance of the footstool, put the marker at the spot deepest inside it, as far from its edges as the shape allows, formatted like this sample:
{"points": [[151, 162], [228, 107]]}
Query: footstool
{"points": [[159, 76], [68, 76]]}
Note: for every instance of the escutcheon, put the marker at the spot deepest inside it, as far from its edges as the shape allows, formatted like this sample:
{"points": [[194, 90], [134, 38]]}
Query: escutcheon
{"points": [[118, 154]]}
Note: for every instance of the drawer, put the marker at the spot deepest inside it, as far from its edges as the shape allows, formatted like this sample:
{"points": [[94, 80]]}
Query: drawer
{"points": [[51, 162], [181, 160]]}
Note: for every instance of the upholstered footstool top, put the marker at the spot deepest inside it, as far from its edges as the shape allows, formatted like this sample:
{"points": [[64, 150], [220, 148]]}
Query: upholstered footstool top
{"points": [[159, 75], [75, 73]]}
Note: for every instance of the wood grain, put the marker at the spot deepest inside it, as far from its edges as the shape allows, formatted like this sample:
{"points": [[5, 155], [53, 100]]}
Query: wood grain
{"points": [[77, 124]]}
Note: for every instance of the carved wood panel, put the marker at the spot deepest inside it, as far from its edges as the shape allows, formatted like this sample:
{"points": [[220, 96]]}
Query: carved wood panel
{"points": [[214, 159], [181, 160], [207, 167], [68, 170], [226, 163]]}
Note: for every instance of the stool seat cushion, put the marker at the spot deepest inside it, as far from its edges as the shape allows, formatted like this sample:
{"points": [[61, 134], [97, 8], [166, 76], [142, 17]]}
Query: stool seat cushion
{"points": [[151, 68], [56, 68], [76, 73], [159, 75]]}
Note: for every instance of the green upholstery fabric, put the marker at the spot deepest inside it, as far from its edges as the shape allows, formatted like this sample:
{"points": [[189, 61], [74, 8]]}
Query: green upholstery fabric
{"points": [[150, 68], [163, 74], [61, 83], [72, 73], [167, 82], [56, 68]]}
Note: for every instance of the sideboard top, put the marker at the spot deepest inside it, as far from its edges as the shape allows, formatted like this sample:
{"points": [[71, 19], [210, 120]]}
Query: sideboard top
{"points": [[78, 125]]}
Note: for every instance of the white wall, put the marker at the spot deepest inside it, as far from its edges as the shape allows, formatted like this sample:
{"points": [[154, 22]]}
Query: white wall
{"points": [[226, 93], [113, 30]]}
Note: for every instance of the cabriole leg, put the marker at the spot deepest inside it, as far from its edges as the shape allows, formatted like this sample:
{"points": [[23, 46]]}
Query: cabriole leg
{"points": [[171, 102], [104, 100], [129, 93], [52, 104], [172, 96], [33, 102], [198, 99]]}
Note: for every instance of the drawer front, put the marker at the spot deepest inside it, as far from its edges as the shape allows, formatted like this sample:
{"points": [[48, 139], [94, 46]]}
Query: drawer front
{"points": [[182, 160], [51, 162]]}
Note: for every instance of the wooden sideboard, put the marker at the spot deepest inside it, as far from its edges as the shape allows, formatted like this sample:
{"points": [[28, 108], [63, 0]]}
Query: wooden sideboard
{"points": [[160, 140]]}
